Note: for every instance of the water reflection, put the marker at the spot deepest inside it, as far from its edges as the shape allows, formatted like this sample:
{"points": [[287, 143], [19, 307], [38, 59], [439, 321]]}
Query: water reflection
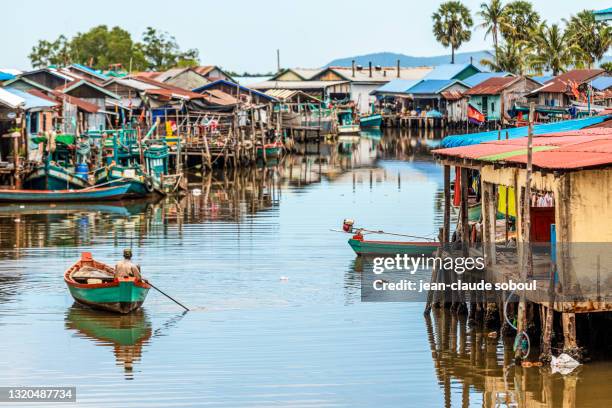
{"points": [[471, 364], [128, 334]]}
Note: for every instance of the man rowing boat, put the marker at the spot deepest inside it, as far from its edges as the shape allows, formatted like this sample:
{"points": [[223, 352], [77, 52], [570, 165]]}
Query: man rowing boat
{"points": [[126, 268]]}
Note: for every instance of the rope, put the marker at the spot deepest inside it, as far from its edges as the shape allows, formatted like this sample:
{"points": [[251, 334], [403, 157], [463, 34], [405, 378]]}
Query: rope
{"points": [[395, 234]]}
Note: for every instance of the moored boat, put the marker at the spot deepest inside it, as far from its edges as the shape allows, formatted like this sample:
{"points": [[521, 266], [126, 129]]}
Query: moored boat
{"points": [[371, 121], [273, 150], [50, 176], [53, 196], [367, 247], [93, 284]]}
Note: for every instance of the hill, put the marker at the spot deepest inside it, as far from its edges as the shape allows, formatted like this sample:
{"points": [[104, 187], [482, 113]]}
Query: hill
{"points": [[389, 59]]}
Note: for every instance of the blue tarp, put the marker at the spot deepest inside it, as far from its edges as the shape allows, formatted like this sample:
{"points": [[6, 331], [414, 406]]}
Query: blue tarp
{"points": [[602, 83], [483, 76], [514, 133], [90, 71]]}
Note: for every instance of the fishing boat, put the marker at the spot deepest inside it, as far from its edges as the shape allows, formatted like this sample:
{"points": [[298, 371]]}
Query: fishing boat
{"points": [[51, 176], [273, 150], [365, 247], [346, 123], [52, 196], [371, 121], [92, 283]]}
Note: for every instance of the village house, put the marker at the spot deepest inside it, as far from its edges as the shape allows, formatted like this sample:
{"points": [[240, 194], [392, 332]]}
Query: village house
{"points": [[602, 91], [568, 89], [496, 96]]}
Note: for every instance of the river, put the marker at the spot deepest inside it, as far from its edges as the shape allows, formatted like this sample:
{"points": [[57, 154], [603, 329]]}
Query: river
{"points": [[277, 317]]}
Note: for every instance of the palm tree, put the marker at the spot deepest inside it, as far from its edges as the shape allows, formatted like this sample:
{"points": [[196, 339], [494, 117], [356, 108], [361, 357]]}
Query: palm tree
{"points": [[452, 25], [492, 15], [519, 20], [551, 49], [594, 37], [509, 57]]}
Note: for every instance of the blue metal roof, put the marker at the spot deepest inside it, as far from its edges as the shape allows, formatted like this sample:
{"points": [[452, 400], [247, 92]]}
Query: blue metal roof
{"points": [[483, 76], [604, 11], [242, 88], [5, 76], [542, 78], [396, 86], [31, 101], [513, 133], [602, 83], [431, 86], [447, 71], [90, 71]]}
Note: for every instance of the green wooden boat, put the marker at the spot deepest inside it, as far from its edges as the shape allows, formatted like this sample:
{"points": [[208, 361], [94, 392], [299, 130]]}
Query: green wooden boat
{"points": [[372, 121], [273, 150], [367, 247], [50, 176], [92, 284]]}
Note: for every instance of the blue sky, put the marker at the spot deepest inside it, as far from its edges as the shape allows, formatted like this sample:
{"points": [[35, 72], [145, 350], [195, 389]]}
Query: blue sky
{"points": [[244, 35]]}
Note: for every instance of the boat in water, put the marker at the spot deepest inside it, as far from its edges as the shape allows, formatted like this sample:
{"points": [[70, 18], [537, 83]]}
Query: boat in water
{"points": [[363, 247], [346, 122], [54, 196], [92, 283], [273, 150], [371, 121]]}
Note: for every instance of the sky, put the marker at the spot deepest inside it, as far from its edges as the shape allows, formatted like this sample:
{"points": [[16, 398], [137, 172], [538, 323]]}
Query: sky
{"points": [[243, 35]]}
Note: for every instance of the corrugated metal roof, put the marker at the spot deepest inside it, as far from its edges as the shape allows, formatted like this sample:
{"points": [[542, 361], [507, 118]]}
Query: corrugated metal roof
{"points": [[296, 84], [396, 86], [90, 71], [381, 74], [492, 86], [561, 83], [565, 150], [10, 100], [32, 101], [447, 71], [431, 86], [602, 83], [5, 76], [513, 133], [604, 11], [452, 95], [480, 77], [284, 94], [242, 88]]}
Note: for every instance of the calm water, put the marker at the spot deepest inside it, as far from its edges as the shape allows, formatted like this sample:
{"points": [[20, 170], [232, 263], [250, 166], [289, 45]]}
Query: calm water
{"points": [[276, 314]]}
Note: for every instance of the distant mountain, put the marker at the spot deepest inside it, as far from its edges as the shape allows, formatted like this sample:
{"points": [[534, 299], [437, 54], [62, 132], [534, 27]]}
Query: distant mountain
{"points": [[389, 59]]}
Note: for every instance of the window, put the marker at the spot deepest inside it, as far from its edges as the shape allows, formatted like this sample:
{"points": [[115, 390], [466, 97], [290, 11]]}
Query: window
{"points": [[492, 106]]}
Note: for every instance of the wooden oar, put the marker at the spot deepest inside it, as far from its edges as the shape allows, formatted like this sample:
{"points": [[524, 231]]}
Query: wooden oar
{"points": [[169, 297]]}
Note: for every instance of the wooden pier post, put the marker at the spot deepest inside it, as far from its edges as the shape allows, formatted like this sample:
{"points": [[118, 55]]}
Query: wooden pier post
{"points": [[465, 227], [447, 204]]}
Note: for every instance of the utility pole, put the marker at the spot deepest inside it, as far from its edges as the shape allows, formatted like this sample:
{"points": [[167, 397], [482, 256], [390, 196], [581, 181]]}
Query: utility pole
{"points": [[278, 67]]}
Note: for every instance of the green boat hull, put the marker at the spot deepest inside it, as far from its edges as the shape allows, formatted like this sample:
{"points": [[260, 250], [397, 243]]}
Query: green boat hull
{"points": [[51, 177], [392, 248], [122, 298], [271, 152], [371, 121]]}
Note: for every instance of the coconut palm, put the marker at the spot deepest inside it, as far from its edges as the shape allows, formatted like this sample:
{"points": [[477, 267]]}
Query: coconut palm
{"points": [[492, 15], [551, 50], [519, 20], [594, 37], [452, 25], [510, 56]]}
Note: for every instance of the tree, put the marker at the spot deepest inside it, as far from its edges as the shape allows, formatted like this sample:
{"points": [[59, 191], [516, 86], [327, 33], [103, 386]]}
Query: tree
{"points": [[519, 21], [47, 53], [100, 47], [607, 66], [452, 25], [551, 50], [594, 37], [492, 15], [162, 51], [510, 56]]}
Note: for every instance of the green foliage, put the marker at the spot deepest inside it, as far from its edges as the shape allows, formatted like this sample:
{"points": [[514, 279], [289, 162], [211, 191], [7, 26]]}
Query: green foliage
{"points": [[47, 53], [519, 20], [551, 49], [509, 57], [101, 47], [607, 66], [594, 37], [452, 25]]}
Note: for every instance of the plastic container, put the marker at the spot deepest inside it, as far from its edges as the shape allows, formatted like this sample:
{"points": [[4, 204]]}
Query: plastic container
{"points": [[82, 170]]}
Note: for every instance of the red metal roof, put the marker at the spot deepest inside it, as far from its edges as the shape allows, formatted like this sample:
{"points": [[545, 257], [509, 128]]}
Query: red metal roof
{"points": [[492, 86], [452, 95], [568, 150], [80, 103]]}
